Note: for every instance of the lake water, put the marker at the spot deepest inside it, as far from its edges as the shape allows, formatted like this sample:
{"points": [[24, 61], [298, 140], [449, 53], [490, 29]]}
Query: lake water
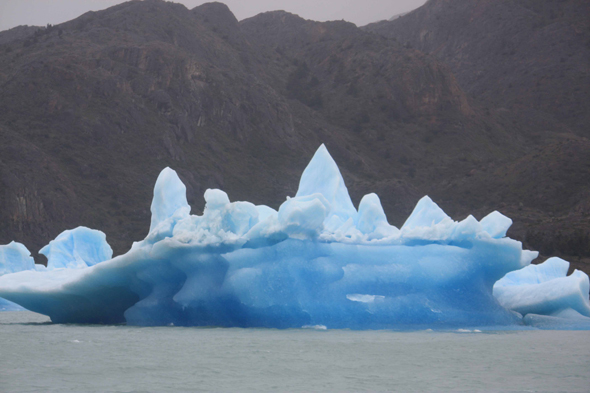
{"points": [[37, 356]]}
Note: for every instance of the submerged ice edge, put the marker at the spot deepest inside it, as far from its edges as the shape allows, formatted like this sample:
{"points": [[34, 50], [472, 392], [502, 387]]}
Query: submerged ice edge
{"points": [[317, 261]]}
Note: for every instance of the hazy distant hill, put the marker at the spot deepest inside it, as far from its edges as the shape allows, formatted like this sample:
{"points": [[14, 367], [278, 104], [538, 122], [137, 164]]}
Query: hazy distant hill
{"points": [[94, 108]]}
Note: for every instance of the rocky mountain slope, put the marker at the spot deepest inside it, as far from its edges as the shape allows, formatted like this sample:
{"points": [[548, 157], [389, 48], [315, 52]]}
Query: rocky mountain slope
{"points": [[93, 109], [522, 55], [529, 60], [19, 33]]}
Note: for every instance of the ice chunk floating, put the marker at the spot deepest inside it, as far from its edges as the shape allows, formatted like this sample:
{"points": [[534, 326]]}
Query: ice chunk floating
{"points": [[317, 261]]}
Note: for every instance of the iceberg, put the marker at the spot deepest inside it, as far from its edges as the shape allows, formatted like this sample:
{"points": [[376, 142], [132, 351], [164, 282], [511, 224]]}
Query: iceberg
{"points": [[316, 261]]}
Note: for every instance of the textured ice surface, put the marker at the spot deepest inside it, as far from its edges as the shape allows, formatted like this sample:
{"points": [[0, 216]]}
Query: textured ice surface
{"points": [[15, 257], [169, 203], [496, 224], [426, 214], [544, 289], [76, 249], [316, 261]]}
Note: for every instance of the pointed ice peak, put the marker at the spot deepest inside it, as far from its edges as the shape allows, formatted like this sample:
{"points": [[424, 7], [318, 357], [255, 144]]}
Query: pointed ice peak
{"points": [[169, 197], [466, 229], [372, 220], [322, 176], [425, 214], [496, 224], [371, 214]]}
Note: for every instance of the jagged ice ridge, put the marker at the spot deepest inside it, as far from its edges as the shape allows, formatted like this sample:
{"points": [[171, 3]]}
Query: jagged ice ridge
{"points": [[317, 261]]}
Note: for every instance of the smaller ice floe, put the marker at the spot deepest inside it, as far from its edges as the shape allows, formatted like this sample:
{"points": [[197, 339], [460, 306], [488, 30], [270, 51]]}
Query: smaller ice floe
{"points": [[77, 248], [545, 295]]}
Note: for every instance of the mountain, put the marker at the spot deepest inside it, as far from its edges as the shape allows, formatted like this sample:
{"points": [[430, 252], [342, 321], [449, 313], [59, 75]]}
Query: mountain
{"points": [[523, 55], [91, 110]]}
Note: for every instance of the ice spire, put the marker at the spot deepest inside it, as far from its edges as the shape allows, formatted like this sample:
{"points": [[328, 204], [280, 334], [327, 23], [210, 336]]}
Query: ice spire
{"points": [[323, 176], [169, 198], [425, 214]]}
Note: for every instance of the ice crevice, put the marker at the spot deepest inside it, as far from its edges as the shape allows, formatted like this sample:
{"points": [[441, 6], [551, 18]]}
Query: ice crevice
{"points": [[316, 261]]}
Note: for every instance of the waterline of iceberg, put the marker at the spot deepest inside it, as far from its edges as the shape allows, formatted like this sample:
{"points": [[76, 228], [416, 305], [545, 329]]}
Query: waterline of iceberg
{"points": [[317, 261]]}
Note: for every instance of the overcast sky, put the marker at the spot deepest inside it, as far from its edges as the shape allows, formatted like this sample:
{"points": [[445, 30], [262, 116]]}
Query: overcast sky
{"points": [[361, 12]]}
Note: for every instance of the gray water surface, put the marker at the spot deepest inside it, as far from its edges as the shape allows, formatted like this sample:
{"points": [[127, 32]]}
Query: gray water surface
{"points": [[37, 356]]}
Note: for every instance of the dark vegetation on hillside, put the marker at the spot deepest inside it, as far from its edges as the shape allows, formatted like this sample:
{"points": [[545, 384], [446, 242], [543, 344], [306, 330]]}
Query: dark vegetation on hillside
{"points": [[91, 111]]}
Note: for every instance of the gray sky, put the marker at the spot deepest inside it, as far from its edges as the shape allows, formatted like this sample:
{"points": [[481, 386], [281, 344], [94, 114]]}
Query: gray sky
{"points": [[361, 12]]}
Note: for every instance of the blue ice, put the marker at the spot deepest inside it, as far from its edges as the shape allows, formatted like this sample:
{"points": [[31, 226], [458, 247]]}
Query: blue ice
{"points": [[76, 249], [316, 261], [546, 290], [15, 257]]}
